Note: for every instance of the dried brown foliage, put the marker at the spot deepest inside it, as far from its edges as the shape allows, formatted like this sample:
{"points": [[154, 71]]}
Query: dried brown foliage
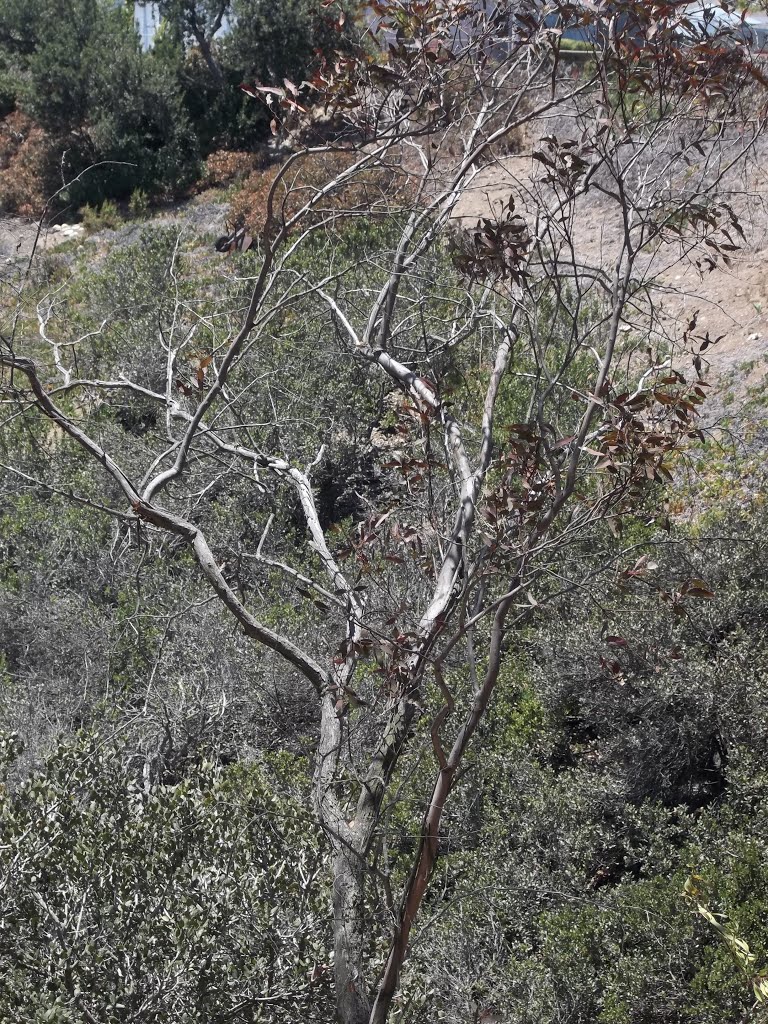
{"points": [[370, 194], [28, 165], [225, 166]]}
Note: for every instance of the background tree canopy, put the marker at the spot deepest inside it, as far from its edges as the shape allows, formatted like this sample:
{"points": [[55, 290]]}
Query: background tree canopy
{"points": [[74, 72]]}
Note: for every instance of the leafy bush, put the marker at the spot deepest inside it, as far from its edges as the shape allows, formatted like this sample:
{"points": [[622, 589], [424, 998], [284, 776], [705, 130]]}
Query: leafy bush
{"points": [[369, 193], [139, 204], [28, 165], [106, 215], [91, 98], [127, 899], [77, 72], [225, 166], [626, 749]]}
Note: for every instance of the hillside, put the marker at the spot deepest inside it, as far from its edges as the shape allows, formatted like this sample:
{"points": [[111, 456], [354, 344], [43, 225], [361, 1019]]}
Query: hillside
{"points": [[383, 602]]}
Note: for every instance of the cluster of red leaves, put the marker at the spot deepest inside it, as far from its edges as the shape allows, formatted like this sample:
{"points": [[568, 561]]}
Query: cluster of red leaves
{"points": [[378, 542], [523, 489], [636, 449], [685, 50], [496, 247], [651, 425], [381, 537]]}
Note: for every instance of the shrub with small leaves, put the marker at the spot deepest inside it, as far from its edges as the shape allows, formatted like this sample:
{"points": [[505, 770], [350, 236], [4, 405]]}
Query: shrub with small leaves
{"points": [[28, 165], [126, 899], [225, 166], [106, 215]]}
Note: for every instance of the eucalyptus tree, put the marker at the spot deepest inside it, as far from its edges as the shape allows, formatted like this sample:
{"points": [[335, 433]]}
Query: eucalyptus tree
{"points": [[526, 388]]}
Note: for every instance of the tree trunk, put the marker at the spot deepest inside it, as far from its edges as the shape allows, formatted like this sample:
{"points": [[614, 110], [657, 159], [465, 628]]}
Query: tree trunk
{"points": [[353, 1005], [204, 42], [207, 51]]}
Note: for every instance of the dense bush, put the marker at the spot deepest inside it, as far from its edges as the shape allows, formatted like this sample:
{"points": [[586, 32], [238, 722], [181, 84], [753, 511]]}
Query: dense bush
{"points": [[29, 165], [262, 42], [369, 196], [625, 748], [76, 70], [80, 94], [125, 898], [627, 751], [225, 166]]}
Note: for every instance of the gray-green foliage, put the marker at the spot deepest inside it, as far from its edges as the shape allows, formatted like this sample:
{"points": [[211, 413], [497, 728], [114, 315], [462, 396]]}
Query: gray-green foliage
{"points": [[626, 750], [125, 898], [626, 744], [136, 624]]}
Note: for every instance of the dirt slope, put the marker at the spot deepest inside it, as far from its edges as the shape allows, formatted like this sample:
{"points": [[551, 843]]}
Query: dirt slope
{"points": [[731, 301]]}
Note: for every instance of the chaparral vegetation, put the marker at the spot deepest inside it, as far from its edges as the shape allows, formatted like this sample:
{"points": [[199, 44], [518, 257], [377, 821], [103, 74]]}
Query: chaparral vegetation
{"points": [[382, 530]]}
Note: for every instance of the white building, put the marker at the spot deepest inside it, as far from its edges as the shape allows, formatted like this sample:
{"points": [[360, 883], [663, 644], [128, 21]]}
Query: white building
{"points": [[147, 20]]}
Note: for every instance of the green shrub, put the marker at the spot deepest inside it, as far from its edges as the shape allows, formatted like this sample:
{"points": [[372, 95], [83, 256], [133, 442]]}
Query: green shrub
{"points": [[112, 115], [106, 215], [139, 204], [129, 899]]}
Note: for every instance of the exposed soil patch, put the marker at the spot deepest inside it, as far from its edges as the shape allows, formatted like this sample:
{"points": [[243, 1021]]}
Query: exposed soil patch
{"points": [[199, 215], [732, 301], [17, 236]]}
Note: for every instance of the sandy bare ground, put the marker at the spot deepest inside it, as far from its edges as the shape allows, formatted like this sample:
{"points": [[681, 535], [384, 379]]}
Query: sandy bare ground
{"points": [[17, 236], [732, 302]]}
